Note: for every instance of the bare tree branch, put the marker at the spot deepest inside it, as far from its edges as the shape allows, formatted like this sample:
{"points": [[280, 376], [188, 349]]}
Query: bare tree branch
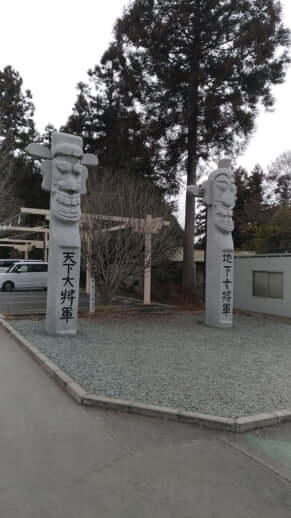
{"points": [[115, 250]]}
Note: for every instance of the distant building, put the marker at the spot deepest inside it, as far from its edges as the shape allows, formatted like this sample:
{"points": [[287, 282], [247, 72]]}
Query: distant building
{"points": [[262, 283], [199, 260]]}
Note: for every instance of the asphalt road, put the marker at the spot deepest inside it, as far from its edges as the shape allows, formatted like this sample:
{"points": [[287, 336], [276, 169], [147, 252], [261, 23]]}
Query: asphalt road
{"points": [[30, 302], [63, 460]]}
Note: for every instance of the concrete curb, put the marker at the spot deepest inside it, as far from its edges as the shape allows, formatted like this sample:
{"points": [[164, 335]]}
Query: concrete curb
{"points": [[232, 424], [67, 383]]}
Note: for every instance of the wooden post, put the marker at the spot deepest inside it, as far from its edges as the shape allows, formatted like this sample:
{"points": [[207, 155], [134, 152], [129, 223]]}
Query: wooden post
{"points": [[147, 259], [88, 265], [92, 296], [45, 246], [88, 278]]}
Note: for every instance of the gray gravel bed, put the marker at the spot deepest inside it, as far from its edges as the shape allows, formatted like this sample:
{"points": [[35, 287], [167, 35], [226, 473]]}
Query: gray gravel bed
{"points": [[176, 361]]}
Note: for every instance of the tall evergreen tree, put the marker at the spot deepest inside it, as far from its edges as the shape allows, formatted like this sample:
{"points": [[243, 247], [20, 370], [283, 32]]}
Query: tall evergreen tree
{"points": [[240, 215], [198, 69], [104, 114], [16, 112], [275, 235], [81, 121], [251, 210], [20, 180], [200, 225]]}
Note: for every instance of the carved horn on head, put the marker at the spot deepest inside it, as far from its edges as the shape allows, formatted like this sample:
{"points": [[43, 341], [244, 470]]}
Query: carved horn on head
{"points": [[46, 172], [38, 151], [90, 160], [207, 192]]}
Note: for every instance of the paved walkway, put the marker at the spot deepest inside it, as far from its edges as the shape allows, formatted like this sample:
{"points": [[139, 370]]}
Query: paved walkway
{"points": [[60, 460]]}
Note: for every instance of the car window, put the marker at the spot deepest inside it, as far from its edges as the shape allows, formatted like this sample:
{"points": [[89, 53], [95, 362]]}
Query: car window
{"points": [[21, 268], [11, 268], [6, 263], [37, 268]]}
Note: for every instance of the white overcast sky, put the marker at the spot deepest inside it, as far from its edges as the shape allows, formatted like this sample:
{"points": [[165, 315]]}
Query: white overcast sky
{"points": [[53, 44]]}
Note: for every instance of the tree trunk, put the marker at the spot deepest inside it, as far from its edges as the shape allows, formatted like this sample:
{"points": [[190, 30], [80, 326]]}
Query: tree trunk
{"points": [[189, 271], [189, 277], [189, 274], [106, 294]]}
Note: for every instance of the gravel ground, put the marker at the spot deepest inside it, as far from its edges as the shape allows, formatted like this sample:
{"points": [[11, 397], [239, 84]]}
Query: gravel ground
{"points": [[176, 361]]}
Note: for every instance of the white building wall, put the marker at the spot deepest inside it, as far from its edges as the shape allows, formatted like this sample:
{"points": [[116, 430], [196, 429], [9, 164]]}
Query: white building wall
{"points": [[243, 284]]}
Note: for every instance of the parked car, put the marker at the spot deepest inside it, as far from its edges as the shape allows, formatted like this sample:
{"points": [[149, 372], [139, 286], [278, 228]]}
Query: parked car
{"points": [[24, 275], [5, 263]]}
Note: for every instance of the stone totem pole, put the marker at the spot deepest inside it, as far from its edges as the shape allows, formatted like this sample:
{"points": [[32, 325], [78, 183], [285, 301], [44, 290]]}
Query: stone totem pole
{"points": [[64, 171], [219, 195]]}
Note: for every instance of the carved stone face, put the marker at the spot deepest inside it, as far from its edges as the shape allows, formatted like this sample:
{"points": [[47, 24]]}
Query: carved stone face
{"points": [[64, 173], [224, 196], [68, 176]]}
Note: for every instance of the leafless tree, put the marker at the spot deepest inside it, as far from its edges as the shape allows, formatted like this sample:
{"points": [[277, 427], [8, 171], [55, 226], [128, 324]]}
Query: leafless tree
{"points": [[279, 177], [113, 248]]}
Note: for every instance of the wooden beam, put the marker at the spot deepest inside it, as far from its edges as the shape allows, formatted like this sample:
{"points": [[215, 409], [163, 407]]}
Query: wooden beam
{"points": [[33, 242], [7, 228], [101, 217], [39, 212], [20, 248], [157, 223]]}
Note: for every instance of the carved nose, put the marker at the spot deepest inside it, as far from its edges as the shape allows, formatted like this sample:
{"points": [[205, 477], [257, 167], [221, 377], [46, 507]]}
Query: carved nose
{"points": [[227, 199], [69, 186]]}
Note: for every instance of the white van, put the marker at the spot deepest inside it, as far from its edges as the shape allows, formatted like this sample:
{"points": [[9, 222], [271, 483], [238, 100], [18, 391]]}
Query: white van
{"points": [[24, 275], [5, 263]]}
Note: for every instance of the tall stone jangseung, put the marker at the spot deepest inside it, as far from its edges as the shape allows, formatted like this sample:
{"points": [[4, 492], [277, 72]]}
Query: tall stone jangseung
{"points": [[64, 171], [219, 196]]}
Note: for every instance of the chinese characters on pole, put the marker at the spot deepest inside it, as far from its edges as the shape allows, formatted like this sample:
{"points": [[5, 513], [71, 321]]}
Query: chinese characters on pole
{"points": [[226, 288], [68, 294]]}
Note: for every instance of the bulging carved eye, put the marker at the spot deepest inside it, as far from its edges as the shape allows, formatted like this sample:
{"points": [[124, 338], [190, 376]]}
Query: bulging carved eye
{"points": [[78, 169], [63, 166], [222, 186]]}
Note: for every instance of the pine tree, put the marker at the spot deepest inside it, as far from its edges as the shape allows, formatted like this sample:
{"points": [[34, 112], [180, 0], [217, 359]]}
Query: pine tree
{"points": [[20, 180], [200, 225], [110, 125], [16, 112], [251, 210], [275, 235], [250, 213], [198, 69]]}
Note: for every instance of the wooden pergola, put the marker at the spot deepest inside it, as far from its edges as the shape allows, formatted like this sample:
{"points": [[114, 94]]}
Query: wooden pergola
{"points": [[147, 226]]}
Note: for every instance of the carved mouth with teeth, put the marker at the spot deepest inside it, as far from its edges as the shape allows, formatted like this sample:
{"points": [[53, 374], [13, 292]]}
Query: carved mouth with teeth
{"points": [[66, 207]]}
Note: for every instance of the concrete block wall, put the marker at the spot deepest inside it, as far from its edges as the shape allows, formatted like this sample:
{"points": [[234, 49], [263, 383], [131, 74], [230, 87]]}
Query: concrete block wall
{"points": [[243, 284]]}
